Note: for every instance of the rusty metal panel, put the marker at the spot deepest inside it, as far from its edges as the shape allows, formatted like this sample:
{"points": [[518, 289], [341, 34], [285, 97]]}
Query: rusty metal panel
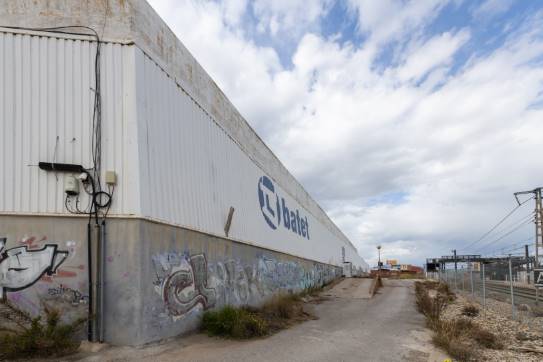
{"points": [[192, 172], [46, 106]]}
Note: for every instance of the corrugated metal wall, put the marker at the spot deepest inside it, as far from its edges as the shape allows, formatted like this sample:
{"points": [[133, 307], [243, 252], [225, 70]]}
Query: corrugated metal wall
{"points": [[46, 105], [192, 172], [173, 162]]}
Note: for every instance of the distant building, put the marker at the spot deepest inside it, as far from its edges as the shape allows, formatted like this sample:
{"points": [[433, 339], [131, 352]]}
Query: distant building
{"points": [[393, 268]]}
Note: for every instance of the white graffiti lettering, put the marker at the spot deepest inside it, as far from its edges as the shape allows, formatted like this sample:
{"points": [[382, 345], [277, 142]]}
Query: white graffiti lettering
{"points": [[21, 267]]}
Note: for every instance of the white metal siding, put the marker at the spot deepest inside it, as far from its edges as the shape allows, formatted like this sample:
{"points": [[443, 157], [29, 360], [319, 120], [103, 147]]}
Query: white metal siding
{"points": [[173, 162], [46, 105], [192, 172]]}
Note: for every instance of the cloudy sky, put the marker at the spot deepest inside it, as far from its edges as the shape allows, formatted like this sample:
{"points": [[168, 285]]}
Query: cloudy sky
{"points": [[411, 122]]}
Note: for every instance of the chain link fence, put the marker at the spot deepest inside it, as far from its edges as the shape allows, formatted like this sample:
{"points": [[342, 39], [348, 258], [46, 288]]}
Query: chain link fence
{"points": [[507, 280]]}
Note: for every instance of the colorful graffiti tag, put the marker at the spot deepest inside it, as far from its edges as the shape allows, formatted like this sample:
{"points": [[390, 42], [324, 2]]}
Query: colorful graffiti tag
{"points": [[184, 282], [21, 267]]}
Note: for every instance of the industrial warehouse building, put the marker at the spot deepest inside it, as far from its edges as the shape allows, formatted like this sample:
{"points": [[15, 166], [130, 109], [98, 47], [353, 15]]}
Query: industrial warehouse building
{"points": [[131, 188]]}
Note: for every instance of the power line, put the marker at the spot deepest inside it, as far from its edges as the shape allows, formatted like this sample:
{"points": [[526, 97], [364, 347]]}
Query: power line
{"points": [[514, 223], [504, 251], [498, 224], [531, 219], [516, 246]]}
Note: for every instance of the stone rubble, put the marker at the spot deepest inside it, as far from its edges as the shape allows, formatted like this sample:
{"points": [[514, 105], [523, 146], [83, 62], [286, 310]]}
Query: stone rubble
{"points": [[524, 332]]}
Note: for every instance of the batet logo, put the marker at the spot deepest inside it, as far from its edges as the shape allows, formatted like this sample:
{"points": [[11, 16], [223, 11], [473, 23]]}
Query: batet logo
{"points": [[276, 213]]}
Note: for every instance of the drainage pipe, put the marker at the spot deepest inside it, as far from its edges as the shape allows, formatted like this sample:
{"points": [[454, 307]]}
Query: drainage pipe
{"points": [[89, 266], [101, 270]]}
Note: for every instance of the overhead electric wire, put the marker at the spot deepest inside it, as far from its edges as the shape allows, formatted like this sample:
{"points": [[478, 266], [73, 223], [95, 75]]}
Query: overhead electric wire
{"points": [[498, 224], [504, 251], [514, 227], [514, 223], [515, 246], [530, 219]]}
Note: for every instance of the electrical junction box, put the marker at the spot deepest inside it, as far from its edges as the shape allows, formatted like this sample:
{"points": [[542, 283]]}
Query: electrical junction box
{"points": [[71, 185], [111, 178]]}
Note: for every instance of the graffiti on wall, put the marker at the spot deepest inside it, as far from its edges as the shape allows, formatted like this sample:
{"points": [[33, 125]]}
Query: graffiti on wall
{"points": [[186, 282], [21, 267], [182, 283], [67, 294]]}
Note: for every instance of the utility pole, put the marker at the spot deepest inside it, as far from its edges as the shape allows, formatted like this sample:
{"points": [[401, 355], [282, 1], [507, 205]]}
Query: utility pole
{"points": [[538, 226], [527, 255], [538, 223], [379, 260]]}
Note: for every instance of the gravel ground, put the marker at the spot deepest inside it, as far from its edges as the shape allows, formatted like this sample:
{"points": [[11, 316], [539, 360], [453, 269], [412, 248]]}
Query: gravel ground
{"points": [[524, 332]]}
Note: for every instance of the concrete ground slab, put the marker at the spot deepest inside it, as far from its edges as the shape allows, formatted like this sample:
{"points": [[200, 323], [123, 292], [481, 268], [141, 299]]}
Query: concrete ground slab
{"points": [[350, 328], [355, 288]]}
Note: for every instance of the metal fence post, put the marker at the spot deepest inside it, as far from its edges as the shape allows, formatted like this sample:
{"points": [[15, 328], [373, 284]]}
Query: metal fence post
{"points": [[511, 284], [455, 278], [463, 279], [484, 291], [471, 278]]}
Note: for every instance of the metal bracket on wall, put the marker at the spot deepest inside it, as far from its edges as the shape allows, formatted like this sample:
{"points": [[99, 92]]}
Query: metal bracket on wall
{"points": [[228, 221]]}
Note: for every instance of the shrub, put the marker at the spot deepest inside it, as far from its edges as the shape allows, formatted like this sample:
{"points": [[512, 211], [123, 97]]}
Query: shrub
{"points": [[431, 307], [233, 322], [277, 313], [486, 338], [33, 338], [462, 351], [453, 337], [282, 306], [537, 311], [470, 310], [460, 337]]}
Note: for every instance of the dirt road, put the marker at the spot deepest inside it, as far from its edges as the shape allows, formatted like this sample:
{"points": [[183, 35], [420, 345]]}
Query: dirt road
{"points": [[350, 327]]}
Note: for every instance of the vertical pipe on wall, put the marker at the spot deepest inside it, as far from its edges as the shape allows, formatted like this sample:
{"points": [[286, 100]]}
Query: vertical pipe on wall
{"points": [[101, 269], [89, 266]]}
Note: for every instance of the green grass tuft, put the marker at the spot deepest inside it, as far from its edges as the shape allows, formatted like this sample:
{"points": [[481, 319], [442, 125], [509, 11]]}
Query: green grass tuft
{"points": [[238, 323], [279, 312]]}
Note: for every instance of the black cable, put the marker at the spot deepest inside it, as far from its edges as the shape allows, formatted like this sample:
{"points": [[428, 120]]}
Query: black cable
{"points": [[518, 221], [96, 137], [96, 153], [498, 224], [520, 244], [508, 233]]}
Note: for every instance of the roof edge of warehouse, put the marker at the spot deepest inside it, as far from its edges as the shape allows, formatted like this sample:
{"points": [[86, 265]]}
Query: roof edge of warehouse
{"points": [[135, 21]]}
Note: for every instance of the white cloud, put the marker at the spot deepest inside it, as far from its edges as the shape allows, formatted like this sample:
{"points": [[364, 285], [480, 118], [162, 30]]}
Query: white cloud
{"points": [[456, 144], [233, 11], [290, 17], [387, 20], [436, 52], [491, 8]]}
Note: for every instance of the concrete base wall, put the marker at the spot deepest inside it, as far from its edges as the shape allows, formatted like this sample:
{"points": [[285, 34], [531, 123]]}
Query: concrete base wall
{"points": [[159, 278]]}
